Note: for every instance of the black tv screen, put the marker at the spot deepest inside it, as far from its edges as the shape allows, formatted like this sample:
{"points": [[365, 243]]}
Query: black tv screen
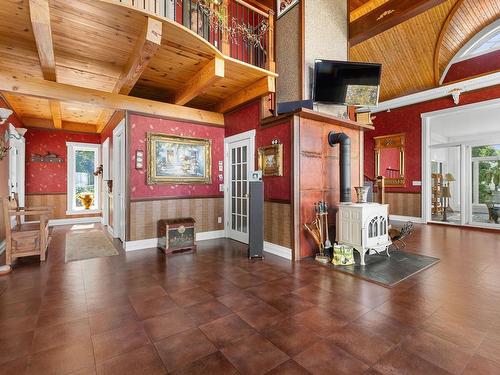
{"points": [[346, 83]]}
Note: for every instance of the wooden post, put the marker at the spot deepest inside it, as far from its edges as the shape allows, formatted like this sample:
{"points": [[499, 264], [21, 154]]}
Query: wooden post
{"points": [[226, 47], [271, 64]]}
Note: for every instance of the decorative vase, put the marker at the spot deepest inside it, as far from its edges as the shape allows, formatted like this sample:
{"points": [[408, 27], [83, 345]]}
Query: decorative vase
{"points": [[362, 193], [87, 199]]}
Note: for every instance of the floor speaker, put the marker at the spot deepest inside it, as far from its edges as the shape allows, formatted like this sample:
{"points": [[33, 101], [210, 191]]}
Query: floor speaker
{"points": [[256, 220]]}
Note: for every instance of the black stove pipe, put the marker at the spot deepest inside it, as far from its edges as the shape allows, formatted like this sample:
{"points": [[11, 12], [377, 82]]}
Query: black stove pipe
{"points": [[344, 161]]}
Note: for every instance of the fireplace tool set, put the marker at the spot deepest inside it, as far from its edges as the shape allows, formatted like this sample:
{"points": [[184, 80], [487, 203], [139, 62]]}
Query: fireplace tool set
{"points": [[319, 231]]}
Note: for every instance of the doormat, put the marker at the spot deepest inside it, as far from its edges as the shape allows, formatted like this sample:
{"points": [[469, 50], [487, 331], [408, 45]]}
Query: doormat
{"points": [[386, 271], [88, 244]]}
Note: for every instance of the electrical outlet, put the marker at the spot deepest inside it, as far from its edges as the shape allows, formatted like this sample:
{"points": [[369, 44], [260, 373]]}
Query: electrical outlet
{"points": [[219, 219], [221, 187]]}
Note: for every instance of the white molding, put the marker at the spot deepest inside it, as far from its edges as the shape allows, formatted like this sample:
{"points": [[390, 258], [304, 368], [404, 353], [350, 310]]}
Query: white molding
{"points": [[153, 242], [278, 250], [203, 236], [82, 212], [406, 218], [438, 92], [240, 136], [3, 246], [140, 244], [485, 104], [71, 221]]}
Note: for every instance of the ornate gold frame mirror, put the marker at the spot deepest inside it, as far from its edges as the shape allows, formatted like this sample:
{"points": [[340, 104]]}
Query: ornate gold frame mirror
{"points": [[390, 159]]}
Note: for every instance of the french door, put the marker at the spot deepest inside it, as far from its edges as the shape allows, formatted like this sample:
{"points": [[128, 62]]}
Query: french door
{"points": [[239, 164]]}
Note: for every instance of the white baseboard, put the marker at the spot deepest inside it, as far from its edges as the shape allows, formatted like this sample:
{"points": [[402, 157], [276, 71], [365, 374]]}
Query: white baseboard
{"points": [[2, 247], [72, 221], [406, 218], [278, 250], [110, 231], [140, 244], [210, 235], [153, 242]]}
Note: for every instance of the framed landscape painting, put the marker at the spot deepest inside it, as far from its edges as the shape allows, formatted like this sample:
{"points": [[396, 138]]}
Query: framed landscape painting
{"points": [[178, 160], [284, 6]]}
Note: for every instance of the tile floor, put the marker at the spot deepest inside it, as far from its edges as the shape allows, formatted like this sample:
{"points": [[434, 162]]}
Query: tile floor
{"points": [[215, 312]]}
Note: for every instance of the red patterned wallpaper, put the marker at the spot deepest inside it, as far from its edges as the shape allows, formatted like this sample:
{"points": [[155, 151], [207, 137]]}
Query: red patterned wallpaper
{"points": [[50, 177], [483, 64], [141, 125], [248, 118], [407, 120]]}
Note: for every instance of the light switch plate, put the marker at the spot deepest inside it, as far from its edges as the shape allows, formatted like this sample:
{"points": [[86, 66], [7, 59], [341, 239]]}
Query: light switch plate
{"points": [[416, 183], [221, 187]]}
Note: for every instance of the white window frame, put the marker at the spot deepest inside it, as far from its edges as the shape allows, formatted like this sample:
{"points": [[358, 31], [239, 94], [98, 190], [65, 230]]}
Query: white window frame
{"points": [[72, 147]]}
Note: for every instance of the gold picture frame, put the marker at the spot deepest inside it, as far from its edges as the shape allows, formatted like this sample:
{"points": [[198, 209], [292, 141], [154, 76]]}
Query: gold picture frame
{"points": [[391, 143], [175, 159], [271, 160]]}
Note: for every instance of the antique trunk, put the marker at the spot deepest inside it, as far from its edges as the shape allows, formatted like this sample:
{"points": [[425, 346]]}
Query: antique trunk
{"points": [[176, 235]]}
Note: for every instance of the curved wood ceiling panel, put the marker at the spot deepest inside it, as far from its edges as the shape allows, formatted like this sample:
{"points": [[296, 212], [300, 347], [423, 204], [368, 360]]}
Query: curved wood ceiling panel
{"points": [[406, 52], [466, 20]]}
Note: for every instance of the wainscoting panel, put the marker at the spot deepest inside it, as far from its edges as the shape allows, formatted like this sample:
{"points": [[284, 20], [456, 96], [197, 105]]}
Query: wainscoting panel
{"points": [[404, 204], [278, 223], [144, 215], [56, 201]]}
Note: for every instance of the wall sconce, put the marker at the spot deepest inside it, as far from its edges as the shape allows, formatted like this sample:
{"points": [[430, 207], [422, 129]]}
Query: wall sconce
{"points": [[5, 114], [139, 159], [455, 93], [275, 142]]}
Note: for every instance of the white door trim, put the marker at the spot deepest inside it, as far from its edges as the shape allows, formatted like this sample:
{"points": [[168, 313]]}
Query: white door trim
{"points": [[119, 164], [104, 187], [17, 142], [250, 136]]}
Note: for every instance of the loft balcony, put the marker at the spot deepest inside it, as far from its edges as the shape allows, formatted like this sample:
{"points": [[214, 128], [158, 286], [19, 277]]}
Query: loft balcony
{"points": [[194, 54]]}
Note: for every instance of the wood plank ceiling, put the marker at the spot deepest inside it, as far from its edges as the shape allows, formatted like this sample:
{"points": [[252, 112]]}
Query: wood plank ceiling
{"points": [[415, 52], [100, 45]]}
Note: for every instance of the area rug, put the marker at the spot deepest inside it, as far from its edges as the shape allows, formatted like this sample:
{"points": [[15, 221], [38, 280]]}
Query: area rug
{"points": [[88, 244], [385, 271]]}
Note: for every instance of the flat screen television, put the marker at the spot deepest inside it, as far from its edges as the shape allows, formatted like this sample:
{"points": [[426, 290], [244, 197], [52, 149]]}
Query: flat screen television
{"points": [[346, 83]]}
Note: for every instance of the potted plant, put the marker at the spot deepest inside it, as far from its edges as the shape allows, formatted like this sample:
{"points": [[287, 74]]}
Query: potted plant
{"points": [[87, 199]]}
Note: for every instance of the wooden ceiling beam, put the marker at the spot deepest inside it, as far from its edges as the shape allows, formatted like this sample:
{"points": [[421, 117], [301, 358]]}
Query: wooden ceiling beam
{"points": [[387, 16], [66, 125], [22, 85], [55, 109], [262, 87], [145, 48], [42, 31], [204, 78]]}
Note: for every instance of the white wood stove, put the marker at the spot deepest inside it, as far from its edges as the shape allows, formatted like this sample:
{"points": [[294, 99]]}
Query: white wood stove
{"points": [[364, 226]]}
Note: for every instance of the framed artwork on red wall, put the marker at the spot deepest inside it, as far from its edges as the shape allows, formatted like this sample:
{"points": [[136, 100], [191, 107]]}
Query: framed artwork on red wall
{"points": [[178, 160]]}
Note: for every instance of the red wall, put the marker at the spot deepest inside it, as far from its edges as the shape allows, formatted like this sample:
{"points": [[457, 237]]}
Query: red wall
{"points": [[407, 120], [276, 188], [141, 125], [50, 177], [483, 64]]}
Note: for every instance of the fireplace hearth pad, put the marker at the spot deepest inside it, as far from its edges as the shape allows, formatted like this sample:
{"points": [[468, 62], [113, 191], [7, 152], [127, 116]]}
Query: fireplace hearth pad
{"points": [[385, 271]]}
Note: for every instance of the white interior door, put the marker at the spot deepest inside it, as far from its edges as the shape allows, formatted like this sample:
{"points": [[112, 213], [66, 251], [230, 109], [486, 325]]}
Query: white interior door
{"points": [[16, 164], [240, 162], [119, 181]]}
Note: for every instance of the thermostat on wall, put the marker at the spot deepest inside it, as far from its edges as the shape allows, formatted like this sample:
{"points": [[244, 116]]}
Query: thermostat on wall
{"points": [[256, 176]]}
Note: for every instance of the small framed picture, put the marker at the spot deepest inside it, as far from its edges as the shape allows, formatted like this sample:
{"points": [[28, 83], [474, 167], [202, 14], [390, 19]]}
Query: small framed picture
{"points": [[284, 6], [271, 160]]}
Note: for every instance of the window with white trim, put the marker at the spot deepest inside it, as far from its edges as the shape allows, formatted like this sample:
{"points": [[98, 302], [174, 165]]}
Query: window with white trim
{"points": [[83, 188]]}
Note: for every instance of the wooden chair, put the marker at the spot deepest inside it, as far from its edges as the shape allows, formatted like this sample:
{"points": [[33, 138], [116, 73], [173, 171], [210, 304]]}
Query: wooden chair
{"points": [[25, 239]]}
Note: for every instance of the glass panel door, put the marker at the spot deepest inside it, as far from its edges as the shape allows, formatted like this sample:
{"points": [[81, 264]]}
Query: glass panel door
{"points": [[485, 172], [238, 190]]}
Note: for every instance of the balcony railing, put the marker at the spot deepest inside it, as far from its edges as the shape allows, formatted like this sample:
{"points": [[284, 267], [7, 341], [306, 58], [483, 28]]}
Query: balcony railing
{"points": [[234, 27]]}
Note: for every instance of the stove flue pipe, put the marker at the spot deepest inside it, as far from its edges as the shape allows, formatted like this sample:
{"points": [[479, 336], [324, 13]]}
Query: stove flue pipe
{"points": [[345, 163]]}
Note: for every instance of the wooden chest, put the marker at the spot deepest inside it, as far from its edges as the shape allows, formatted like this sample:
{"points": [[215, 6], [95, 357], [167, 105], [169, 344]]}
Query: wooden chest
{"points": [[176, 235]]}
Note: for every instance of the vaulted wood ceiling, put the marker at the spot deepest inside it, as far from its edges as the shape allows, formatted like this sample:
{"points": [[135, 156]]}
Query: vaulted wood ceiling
{"points": [[415, 52]]}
